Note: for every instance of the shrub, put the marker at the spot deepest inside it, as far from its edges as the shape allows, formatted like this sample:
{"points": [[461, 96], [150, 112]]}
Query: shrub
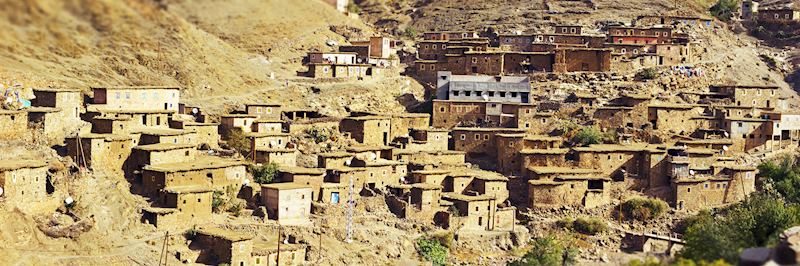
{"points": [[353, 8], [410, 32], [643, 209], [432, 250], [647, 74], [190, 233], [548, 251], [264, 174], [445, 238], [783, 178], [724, 9], [769, 60], [235, 208], [318, 134], [239, 142], [587, 226], [217, 200], [586, 136]]}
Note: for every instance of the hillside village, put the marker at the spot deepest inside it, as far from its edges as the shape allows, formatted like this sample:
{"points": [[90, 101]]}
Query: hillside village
{"points": [[509, 134]]}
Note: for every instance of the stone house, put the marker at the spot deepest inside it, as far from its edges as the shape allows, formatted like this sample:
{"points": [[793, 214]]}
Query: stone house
{"points": [[267, 254], [479, 141], [730, 184], [118, 125], [139, 119], [779, 13], [428, 139], [137, 97], [629, 110], [223, 246], [673, 117], [243, 122], [288, 203], [100, 152], [752, 96], [449, 35], [192, 202], [380, 173], [160, 153], [621, 162], [311, 177], [280, 156], [270, 111], [369, 130], [430, 157], [262, 125], [333, 159], [636, 35], [60, 110], [748, 133], [23, 182], [167, 135], [403, 123], [482, 88], [13, 124], [208, 171], [205, 133], [492, 184], [49, 121], [269, 140], [475, 213], [342, 71], [379, 47], [586, 192], [431, 176]]}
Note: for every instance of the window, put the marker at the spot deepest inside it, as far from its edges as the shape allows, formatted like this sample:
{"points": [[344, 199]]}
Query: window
{"points": [[127, 95], [444, 46], [477, 136], [474, 60], [116, 95], [463, 137], [422, 67], [705, 185], [502, 94], [514, 94], [434, 46], [688, 189], [485, 136]]}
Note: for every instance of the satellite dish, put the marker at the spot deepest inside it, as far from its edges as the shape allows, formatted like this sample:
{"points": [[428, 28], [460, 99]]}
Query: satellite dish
{"points": [[195, 110], [1, 191], [725, 147], [691, 172], [348, 162], [372, 156], [725, 133], [485, 97], [68, 200], [272, 143], [246, 182]]}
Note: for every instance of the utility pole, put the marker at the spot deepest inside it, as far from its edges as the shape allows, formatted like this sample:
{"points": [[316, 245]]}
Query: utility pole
{"points": [[163, 256], [350, 203], [320, 247], [278, 256]]}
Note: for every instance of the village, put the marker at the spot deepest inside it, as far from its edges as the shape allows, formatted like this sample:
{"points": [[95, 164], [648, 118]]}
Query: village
{"points": [[491, 148]]}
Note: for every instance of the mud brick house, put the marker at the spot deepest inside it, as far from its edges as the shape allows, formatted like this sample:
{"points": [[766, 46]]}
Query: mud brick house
{"points": [[137, 97], [13, 123], [779, 12], [331, 58], [139, 118], [119, 125], [477, 213], [23, 182], [403, 123], [430, 157], [224, 246], [437, 50], [552, 172], [206, 133], [586, 192], [448, 114], [729, 184], [210, 171], [508, 147], [379, 47], [280, 156], [749, 95], [748, 133], [785, 130], [267, 125], [369, 130], [449, 35], [264, 110], [629, 110], [288, 203], [334, 158], [476, 88], [193, 203], [673, 117], [531, 42], [69, 100], [479, 141], [312, 177], [48, 120], [370, 151], [242, 122], [749, 10], [431, 176], [342, 175], [639, 35], [380, 173], [160, 153], [193, 111], [101, 152], [341, 70], [622, 162], [491, 184], [653, 20], [268, 139], [166, 135], [424, 139]]}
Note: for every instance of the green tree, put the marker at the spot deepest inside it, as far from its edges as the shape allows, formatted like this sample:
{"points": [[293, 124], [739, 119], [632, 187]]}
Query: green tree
{"points": [[432, 250], [587, 136], [265, 173], [410, 32], [724, 9], [756, 222], [548, 251], [239, 142], [784, 178], [647, 74], [318, 134]]}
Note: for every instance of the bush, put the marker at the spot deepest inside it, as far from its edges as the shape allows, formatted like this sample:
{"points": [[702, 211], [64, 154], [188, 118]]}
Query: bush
{"points": [[410, 32], [647, 74], [318, 134], [586, 136], [755, 222], [264, 174], [353, 8], [587, 226], [235, 208], [783, 178], [548, 251], [432, 250], [217, 200], [724, 9], [644, 209], [769, 60]]}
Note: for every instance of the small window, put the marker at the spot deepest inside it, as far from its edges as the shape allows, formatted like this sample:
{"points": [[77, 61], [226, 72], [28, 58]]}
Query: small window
{"points": [[463, 137]]}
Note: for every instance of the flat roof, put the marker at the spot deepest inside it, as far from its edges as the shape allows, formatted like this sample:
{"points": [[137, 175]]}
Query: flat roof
{"points": [[163, 131], [561, 170], [137, 88], [275, 150], [285, 186], [163, 147], [431, 172], [468, 198], [107, 137], [41, 109], [224, 234], [301, 170], [426, 186], [10, 112], [57, 89], [543, 138], [366, 117], [363, 148], [620, 148], [8, 165], [188, 189], [489, 129], [262, 104], [544, 151], [335, 154], [201, 163], [266, 134], [671, 106], [238, 116]]}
